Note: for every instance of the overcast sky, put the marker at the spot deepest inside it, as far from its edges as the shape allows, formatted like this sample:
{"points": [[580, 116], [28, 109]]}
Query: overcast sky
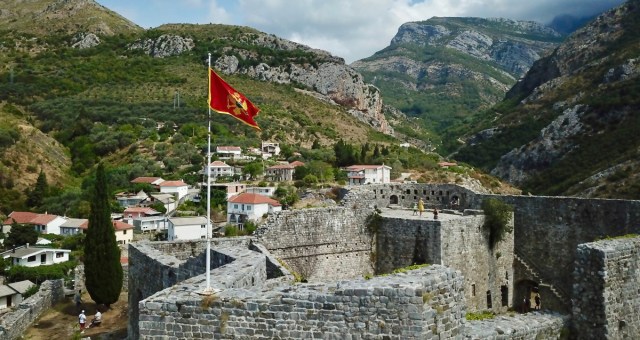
{"points": [[351, 29]]}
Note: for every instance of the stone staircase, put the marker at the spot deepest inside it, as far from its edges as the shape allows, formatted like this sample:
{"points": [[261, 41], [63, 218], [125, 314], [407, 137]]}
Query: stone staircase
{"points": [[534, 272]]}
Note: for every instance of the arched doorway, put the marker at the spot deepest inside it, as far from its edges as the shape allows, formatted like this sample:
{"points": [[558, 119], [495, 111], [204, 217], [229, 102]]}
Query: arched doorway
{"points": [[393, 199], [525, 291]]}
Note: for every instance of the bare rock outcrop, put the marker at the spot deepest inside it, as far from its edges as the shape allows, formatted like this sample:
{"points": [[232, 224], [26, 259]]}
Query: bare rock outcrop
{"points": [[165, 45], [326, 75], [85, 40]]}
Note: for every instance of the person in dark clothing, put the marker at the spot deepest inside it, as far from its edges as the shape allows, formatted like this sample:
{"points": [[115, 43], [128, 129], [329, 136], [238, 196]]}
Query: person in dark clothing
{"points": [[526, 304], [537, 300]]}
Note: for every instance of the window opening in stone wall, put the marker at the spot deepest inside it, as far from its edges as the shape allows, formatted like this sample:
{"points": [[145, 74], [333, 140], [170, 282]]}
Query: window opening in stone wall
{"points": [[440, 192], [433, 192], [506, 275], [447, 192], [408, 191], [489, 305], [415, 197], [424, 192], [415, 191], [504, 294], [428, 198], [402, 196], [473, 289]]}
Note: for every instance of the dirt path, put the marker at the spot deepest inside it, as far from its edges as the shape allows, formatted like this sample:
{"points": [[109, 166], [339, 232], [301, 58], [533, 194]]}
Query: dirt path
{"points": [[61, 321]]}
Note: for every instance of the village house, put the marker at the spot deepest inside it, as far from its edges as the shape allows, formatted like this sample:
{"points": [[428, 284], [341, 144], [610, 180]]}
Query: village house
{"points": [[365, 174], [11, 293], [280, 172], [149, 223], [231, 189], [154, 181], [229, 152], [35, 257], [72, 226], [137, 212], [187, 228], [42, 223], [219, 169], [178, 188], [270, 149], [245, 207], [264, 191], [124, 232], [167, 200], [131, 200]]}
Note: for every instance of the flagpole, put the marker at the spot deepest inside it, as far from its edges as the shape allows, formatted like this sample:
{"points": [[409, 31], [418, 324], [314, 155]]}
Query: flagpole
{"points": [[208, 290]]}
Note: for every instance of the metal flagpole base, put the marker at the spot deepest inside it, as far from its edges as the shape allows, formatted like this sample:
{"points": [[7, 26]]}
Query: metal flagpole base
{"points": [[209, 291]]}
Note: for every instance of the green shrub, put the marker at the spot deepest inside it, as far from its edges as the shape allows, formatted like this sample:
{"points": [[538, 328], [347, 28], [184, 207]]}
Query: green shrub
{"points": [[484, 315], [32, 290], [41, 273], [496, 222]]}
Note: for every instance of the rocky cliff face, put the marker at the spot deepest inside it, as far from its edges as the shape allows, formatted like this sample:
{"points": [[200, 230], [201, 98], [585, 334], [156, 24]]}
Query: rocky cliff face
{"points": [[318, 71], [585, 97], [165, 45], [473, 61]]}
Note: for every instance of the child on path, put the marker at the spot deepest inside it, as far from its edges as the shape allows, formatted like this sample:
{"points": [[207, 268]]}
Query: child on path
{"points": [[82, 319]]}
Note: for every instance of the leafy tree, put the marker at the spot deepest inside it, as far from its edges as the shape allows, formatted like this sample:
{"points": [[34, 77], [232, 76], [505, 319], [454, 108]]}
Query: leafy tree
{"points": [[301, 172], [36, 197], [159, 207], [103, 272], [316, 145], [345, 154], [252, 170], [497, 215], [20, 234]]}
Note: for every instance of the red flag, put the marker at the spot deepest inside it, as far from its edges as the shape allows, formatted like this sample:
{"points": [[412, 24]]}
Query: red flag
{"points": [[225, 99]]}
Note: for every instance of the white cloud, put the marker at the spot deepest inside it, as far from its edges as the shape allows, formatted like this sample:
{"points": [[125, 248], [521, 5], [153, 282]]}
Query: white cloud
{"points": [[356, 29]]}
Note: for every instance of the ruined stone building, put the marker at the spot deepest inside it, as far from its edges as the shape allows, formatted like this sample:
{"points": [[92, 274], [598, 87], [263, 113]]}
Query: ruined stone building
{"points": [[343, 254]]}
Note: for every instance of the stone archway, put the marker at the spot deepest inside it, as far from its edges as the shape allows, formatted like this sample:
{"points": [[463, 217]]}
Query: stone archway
{"points": [[525, 288], [393, 200]]}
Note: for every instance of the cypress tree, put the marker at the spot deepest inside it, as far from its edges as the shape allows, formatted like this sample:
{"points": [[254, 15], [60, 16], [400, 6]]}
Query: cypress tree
{"points": [[36, 196], [103, 272]]}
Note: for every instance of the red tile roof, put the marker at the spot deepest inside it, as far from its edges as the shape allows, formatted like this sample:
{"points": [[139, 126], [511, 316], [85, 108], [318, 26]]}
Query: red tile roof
{"points": [[443, 164], [296, 164], [219, 164], [173, 184], [43, 219], [119, 225], [363, 167], [228, 148], [21, 217], [247, 198], [145, 180], [146, 210]]}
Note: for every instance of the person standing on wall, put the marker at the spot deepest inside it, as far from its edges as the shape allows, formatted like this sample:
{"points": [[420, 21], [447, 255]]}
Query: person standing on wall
{"points": [[420, 206], [415, 208], [435, 213], [537, 300]]}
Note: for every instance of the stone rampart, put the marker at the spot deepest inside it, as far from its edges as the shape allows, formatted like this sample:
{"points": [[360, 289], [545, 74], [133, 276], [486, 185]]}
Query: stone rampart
{"points": [[520, 327], [456, 241], [605, 291], [439, 196], [16, 322], [549, 229], [320, 243], [421, 304], [155, 266]]}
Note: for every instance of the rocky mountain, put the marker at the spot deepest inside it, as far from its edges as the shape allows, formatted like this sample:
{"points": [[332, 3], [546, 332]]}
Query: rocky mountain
{"points": [[570, 126], [445, 69], [42, 17]]}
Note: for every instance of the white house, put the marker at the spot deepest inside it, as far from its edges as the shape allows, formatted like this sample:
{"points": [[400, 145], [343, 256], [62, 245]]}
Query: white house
{"points": [[187, 228], [247, 206], [72, 226], [179, 188], [229, 152], [264, 191], [124, 232], [365, 174], [270, 148], [150, 223], [219, 169], [167, 200], [42, 223], [34, 257], [11, 293], [231, 189], [137, 212]]}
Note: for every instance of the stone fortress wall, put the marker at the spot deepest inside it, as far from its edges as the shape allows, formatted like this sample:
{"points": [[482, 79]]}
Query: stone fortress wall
{"points": [[339, 243], [605, 290]]}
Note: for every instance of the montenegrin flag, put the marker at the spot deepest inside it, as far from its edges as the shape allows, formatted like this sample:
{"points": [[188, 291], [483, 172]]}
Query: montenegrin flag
{"points": [[225, 99]]}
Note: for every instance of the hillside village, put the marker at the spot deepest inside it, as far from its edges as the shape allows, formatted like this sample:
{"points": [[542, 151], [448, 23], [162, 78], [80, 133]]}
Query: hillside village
{"points": [[338, 219]]}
